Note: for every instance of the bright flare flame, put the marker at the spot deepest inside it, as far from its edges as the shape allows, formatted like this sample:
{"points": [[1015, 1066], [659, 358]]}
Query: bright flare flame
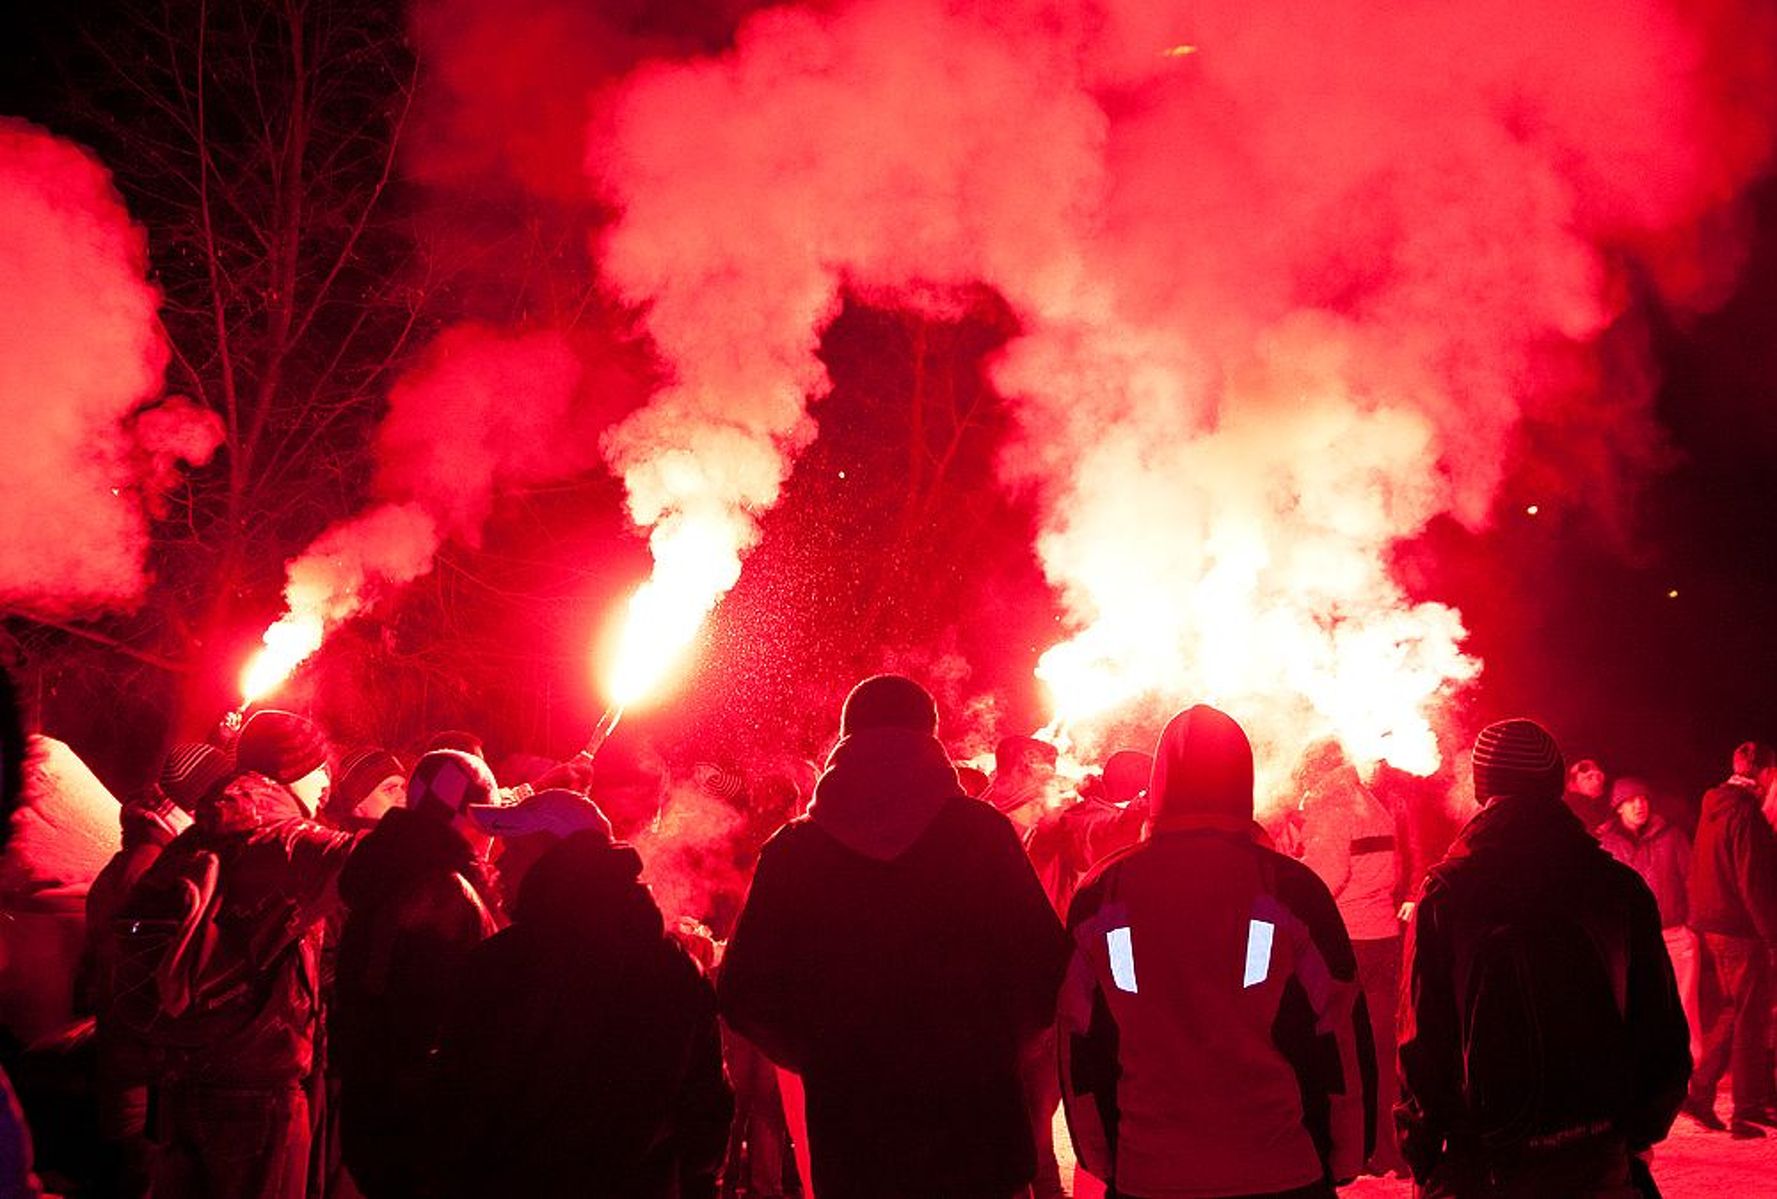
{"points": [[1264, 588], [288, 643], [696, 561]]}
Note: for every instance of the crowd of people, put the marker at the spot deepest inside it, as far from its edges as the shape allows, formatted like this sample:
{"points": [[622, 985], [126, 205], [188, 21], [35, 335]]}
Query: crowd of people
{"points": [[314, 973]]}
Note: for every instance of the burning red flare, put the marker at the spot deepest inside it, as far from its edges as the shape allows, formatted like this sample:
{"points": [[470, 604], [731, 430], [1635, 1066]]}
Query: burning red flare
{"points": [[695, 563], [288, 643]]}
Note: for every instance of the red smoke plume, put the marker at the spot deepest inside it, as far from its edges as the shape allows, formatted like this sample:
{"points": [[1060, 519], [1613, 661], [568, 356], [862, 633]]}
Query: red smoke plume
{"points": [[484, 411], [81, 350], [1291, 283]]}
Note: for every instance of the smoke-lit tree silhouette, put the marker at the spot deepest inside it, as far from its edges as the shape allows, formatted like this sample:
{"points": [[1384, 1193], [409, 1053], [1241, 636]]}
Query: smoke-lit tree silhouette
{"points": [[258, 143]]}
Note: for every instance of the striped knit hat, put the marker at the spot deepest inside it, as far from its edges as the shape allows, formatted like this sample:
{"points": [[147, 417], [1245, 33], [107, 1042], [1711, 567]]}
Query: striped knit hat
{"points": [[360, 773], [193, 770], [1517, 757], [280, 745]]}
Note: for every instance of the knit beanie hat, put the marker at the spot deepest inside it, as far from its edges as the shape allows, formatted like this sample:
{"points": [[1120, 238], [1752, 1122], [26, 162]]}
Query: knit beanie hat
{"points": [[888, 701], [280, 745], [1517, 758], [193, 770], [446, 781], [360, 773], [1626, 789]]}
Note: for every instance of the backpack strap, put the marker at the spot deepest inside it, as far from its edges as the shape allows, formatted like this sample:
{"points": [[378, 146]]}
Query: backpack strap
{"points": [[195, 939]]}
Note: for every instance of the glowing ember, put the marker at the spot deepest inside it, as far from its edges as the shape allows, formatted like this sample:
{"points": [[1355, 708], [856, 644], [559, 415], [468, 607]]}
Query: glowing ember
{"points": [[288, 643], [695, 563]]}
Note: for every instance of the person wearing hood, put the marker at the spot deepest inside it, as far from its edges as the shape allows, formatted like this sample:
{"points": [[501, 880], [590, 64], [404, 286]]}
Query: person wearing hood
{"points": [[1542, 1041], [1214, 1039], [1656, 849], [233, 1114], [896, 951], [418, 900], [1733, 906], [582, 1055]]}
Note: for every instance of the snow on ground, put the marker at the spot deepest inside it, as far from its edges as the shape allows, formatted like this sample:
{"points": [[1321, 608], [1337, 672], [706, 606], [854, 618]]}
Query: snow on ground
{"points": [[1690, 1164]]}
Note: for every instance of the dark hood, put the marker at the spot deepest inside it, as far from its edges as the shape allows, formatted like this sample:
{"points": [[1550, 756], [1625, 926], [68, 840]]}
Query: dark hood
{"points": [[586, 889], [249, 801], [403, 847], [882, 789], [1203, 774], [1718, 802], [1525, 826]]}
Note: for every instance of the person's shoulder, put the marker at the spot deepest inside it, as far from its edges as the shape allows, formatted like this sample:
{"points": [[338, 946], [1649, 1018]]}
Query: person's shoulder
{"points": [[790, 838], [1294, 882], [962, 816]]}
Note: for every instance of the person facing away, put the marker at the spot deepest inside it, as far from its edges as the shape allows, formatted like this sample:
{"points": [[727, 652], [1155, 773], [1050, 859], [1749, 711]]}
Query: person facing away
{"points": [[1656, 849], [1542, 1041], [1733, 907], [418, 899], [896, 951], [582, 1055], [1347, 837], [233, 1114], [1213, 1036]]}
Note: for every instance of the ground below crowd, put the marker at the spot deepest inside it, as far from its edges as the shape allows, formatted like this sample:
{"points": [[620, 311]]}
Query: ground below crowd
{"points": [[1690, 1164]]}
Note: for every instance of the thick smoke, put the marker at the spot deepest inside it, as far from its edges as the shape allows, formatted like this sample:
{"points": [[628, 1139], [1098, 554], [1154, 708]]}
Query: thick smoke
{"points": [[1291, 284], [482, 412], [81, 349]]}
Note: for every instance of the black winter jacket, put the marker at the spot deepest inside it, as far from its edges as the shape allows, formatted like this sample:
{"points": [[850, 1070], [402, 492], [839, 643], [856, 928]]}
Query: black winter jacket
{"points": [[417, 904], [1734, 867], [278, 886], [583, 1056], [1540, 1019], [897, 951]]}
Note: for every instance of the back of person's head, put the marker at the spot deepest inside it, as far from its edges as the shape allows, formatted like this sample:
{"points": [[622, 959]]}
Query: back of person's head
{"points": [[972, 779], [192, 772], [1126, 774], [888, 701], [1750, 757], [1517, 759], [446, 783], [1320, 760], [1017, 754], [459, 740], [282, 746], [1203, 773]]}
